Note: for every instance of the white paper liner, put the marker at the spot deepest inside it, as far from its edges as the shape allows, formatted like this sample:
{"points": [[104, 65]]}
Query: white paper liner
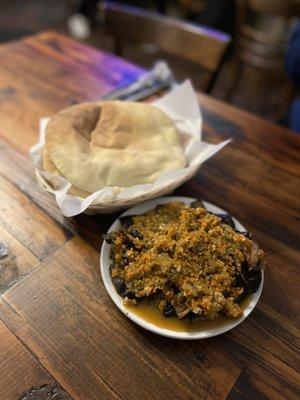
{"points": [[182, 106]]}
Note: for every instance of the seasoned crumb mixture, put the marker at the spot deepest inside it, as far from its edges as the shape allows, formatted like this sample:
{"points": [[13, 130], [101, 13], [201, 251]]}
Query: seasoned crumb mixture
{"points": [[185, 260]]}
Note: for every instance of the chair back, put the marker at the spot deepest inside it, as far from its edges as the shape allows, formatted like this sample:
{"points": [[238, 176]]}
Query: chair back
{"points": [[188, 41]]}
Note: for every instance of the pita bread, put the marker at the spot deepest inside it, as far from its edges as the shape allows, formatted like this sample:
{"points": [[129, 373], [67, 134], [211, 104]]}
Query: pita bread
{"points": [[112, 143], [50, 167]]}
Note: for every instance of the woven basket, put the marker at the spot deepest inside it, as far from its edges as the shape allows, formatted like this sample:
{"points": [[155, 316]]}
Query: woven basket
{"points": [[111, 206]]}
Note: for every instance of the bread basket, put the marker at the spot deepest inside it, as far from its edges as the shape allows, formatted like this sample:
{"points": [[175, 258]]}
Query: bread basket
{"points": [[182, 106]]}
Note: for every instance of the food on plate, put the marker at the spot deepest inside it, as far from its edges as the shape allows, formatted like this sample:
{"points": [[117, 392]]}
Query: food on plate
{"points": [[186, 261], [111, 143]]}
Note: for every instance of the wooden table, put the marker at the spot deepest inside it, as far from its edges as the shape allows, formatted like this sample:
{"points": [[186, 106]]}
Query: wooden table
{"points": [[60, 334]]}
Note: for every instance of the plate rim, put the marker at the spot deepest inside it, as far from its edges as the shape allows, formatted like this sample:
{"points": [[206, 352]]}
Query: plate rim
{"points": [[118, 300]]}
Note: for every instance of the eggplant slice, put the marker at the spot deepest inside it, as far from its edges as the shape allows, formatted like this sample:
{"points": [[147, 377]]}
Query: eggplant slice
{"points": [[169, 311], [197, 204], [109, 237], [226, 219], [126, 221], [251, 273]]}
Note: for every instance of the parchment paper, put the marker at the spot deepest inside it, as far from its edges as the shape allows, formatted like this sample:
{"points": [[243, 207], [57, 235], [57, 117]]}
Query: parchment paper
{"points": [[182, 106]]}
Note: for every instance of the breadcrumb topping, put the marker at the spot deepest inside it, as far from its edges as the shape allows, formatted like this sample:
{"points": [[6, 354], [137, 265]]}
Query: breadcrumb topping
{"points": [[182, 259]]}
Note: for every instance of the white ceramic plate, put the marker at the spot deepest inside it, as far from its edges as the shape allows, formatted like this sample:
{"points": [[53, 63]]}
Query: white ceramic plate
{"points": [[117, 299]]}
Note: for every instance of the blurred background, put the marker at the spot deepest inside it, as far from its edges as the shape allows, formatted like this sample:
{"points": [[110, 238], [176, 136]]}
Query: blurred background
{"points": [[258, 69]]}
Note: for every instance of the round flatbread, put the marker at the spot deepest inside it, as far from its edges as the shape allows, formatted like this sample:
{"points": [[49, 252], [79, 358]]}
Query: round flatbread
{"points": [[50, 167], [112, 143]]}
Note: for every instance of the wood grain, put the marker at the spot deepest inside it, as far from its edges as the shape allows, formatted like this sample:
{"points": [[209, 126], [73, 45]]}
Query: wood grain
{"points": [[273, 143], [20, 373], [18, 173], [18, 261], [104, 346], [251, 385], [30, 90], [189, 41], [46, 392], [52, 296], [204, 46], [23, 219]]}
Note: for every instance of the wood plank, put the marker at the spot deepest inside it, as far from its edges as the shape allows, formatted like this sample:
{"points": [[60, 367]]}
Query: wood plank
{"points": [[64, 72], [285, 342], [280, 187], [64, 315], [251, 385], [268, 341], [115, 70], [255, 209], [274, 143], [24, 220], [17, 263], [18, 170], [21, 376], [282, 276]]}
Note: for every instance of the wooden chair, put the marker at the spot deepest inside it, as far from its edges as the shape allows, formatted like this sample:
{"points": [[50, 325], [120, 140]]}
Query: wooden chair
{"points": [[194, 43]]}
